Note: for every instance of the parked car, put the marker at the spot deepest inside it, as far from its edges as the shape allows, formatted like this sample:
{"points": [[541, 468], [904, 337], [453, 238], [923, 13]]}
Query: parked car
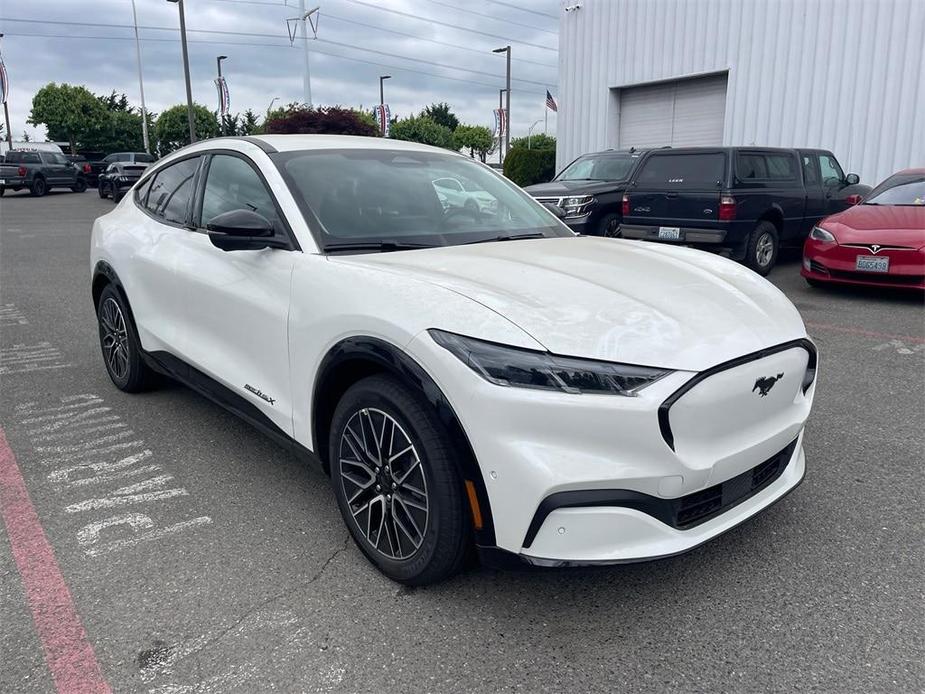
{"points": [[880, 242], [119, 177], [417, 353], [39, 172], [80, 161], [99, 166], [746, 201], [465, 194], [590, 190]]}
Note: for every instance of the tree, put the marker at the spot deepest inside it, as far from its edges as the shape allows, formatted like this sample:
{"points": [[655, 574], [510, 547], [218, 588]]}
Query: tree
{"points": [[441, 115], [334, 120], [538, 141], [171, 130], [422, 129], [68, 113], [249, 123], [476, 138], [528, 166]]}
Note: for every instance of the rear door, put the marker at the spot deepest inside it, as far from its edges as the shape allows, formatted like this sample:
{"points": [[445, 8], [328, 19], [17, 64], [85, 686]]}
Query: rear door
{"points": [[58, 170], [678, 189], [766, 180], [833, 181]]}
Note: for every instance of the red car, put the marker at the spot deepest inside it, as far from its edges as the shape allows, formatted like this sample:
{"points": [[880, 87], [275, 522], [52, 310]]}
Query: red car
{"points": [[879, 242]]}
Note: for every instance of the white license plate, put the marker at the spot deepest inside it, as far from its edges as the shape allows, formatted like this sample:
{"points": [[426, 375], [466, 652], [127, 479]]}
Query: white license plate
{"points": [[2, 182], [870, 263], [670, 233]]}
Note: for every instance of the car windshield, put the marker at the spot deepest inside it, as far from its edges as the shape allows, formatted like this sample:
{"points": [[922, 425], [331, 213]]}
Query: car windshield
{"points": [[144, 158], [599, 167], [900, 189], [393, 199]]}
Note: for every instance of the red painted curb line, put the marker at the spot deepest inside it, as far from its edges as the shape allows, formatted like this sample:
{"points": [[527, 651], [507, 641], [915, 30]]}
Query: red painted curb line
{"points": [[865, 333], [68, 652]]}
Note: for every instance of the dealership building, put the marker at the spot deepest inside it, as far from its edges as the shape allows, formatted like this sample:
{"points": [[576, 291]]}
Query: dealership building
{"points": [[843, 75]]}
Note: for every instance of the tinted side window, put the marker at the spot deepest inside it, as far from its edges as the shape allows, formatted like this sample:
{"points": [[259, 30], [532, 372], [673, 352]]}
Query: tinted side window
{"points": [[830, 169], [233, 185], [144, 158], [780, 167], [751, 166], [141, 193], [683, 170], [810, 174], [54, 158], [109, 158], [170, 193], [23, 158]]}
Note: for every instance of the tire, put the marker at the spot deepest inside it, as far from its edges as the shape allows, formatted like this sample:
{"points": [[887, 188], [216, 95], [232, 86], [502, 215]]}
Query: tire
{"points": [[120, 345], [762, 248], [80, 186], [404, 551], [117, 195], [2, 191], [101, 189], [609, 226], [39, 187]]}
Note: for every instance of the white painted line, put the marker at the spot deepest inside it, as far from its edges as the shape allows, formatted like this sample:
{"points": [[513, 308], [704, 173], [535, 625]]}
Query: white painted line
{"points": [[92, 452], [132, 494], [63, 475], [73, 448], [69, 418], [81, 432], [28, 408], [149, 536]]}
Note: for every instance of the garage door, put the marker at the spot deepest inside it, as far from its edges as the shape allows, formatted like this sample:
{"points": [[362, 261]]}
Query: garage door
{"points": [[686, 112]]}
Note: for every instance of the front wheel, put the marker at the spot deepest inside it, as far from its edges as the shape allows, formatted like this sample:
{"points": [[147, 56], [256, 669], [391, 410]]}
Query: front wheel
{"points": [[396, 482], [101, 189], [762, 247], [609, 226]]}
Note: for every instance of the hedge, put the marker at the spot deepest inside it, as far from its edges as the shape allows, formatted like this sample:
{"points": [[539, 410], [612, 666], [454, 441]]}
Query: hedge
{"points": [[528, 166]]}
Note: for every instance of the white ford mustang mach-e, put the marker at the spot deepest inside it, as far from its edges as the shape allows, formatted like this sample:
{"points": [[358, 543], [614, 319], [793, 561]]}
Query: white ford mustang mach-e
{"points": [[466, 376]]}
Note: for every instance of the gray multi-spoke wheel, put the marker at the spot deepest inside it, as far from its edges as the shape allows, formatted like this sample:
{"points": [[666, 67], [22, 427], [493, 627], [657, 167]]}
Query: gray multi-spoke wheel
{"points": [[397, 482], [384, 482], [114, 338], [609, 226], [119, 343], [761, 251]]}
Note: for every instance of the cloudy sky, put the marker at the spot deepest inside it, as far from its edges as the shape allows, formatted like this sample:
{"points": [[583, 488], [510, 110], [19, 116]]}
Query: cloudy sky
{"points": [[434, 50]]}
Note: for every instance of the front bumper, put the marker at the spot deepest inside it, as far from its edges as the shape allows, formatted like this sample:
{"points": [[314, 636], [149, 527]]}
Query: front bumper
{"points": [[534, 445], [687, 234], [831, 262]]}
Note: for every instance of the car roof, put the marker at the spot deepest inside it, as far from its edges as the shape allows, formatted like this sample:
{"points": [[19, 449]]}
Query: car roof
{"points": [[913, 172], [291, 143]]}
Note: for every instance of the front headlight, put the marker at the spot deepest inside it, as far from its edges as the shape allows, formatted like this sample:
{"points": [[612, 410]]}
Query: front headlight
{"points": [[577, 206], [820, 234], [524, 368]]}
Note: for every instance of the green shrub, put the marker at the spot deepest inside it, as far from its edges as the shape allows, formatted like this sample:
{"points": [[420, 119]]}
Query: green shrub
{"points": [[422, 129], [528, 166]]}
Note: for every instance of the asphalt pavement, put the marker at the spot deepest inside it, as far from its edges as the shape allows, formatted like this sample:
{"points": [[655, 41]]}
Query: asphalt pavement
{"points": [[227, 568]]}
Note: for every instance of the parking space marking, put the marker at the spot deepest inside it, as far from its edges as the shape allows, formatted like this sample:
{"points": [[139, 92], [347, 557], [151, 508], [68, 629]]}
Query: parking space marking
{"points": [[89, 449], [900, 346], [10, 315], [68, 652], [825, 327], [25, 358]]}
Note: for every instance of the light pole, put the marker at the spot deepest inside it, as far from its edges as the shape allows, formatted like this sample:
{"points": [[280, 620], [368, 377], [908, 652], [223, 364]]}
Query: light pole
{"points": [[382, 78], [189, 90], [6, 112], [141, 84], [507, 108], [218, 65], [530, 132], [270, 107]]}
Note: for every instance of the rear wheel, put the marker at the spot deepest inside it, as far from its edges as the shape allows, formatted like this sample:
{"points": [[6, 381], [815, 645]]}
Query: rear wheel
{"points": [[80, 185], [396, 482], [120, 345], [762, 248], [39, 187]]}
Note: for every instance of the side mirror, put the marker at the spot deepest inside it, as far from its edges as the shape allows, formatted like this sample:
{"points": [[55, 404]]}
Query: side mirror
{"points": [[853, 199], [242, 230], [852, 179], [555, 209]]}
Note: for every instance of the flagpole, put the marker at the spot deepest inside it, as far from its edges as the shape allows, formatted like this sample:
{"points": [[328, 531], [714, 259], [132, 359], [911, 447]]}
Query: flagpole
{"points": [[6, 108]]}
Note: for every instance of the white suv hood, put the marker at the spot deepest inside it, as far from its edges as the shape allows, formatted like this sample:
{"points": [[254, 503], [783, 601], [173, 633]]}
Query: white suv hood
{"points": [[615, 300]]}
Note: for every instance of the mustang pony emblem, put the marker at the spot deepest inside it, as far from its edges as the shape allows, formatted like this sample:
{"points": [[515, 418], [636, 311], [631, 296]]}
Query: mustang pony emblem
{"points": [[764, 384]]}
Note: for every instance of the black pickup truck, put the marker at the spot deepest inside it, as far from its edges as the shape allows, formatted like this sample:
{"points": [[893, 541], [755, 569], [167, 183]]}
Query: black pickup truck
{"points": [[746, 201], [38, 172]]}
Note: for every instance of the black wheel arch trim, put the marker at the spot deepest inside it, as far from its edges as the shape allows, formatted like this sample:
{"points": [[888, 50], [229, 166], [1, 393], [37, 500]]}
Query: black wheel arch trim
{"points": [[394, 360], [664, 421]]}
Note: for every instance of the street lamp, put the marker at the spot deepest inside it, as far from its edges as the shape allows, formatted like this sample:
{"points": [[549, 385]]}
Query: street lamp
{"points": [[189, 90], [218, 83], [382, 78], [507, 108], [530, 132], [141, 84]]}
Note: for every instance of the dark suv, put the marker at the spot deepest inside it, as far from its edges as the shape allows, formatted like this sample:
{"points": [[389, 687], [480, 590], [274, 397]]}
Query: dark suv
{"points": [[590, 190], [746, 201]]}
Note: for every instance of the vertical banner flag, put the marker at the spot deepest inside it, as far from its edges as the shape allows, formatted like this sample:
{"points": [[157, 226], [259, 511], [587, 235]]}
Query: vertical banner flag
{"points": [[551, 103], [383, 115], [500, 122], [224, 100], [4, 82]]}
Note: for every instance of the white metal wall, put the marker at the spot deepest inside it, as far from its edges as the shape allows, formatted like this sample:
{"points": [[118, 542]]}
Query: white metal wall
{"points": [[845, 75]]}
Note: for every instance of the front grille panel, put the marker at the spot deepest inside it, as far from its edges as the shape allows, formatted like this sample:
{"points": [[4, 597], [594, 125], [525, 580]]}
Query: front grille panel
{"points": [[699, 507]]}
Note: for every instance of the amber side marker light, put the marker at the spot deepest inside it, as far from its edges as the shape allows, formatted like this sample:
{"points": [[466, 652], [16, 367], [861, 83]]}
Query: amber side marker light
{"points": [[474, 505]]}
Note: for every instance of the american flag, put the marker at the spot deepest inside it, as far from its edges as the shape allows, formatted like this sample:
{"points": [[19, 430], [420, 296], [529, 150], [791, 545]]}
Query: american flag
{"points": [[551, 103]]}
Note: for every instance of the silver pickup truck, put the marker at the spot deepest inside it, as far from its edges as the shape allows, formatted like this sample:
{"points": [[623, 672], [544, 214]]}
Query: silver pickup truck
{"points": [[38, 172]]}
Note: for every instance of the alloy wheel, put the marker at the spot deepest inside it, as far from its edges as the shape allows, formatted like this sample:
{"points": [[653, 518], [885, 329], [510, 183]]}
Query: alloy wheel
{"points": [[114, 338], [764, 249], [384, 483]]}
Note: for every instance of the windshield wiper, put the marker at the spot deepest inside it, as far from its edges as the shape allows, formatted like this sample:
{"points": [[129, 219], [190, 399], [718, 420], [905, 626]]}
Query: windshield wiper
{"points": [[382, 246], [508, 237]]}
